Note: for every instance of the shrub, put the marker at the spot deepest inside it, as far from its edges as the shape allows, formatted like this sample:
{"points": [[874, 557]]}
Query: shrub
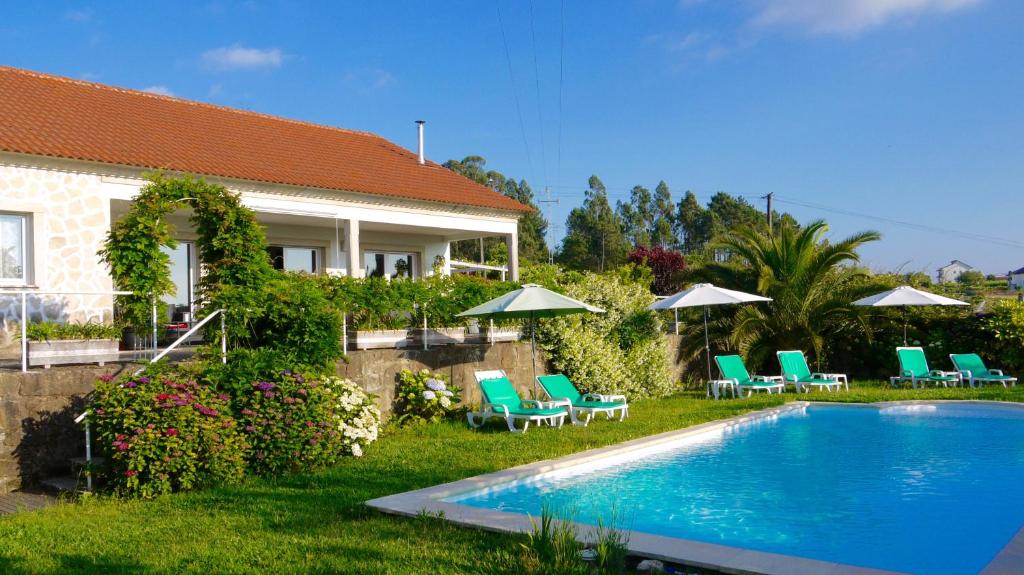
{"points": [[298, 319], [294, 423], [166, 434], [1006, 326], [619, 351], [424, 397], [47, 331], [667, 266]]}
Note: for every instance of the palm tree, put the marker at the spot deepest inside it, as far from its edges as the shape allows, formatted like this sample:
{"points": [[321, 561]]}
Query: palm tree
{"points": [[810, 280]]}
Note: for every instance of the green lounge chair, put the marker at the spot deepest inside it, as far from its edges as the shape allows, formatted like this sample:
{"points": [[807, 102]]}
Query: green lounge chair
{"points": [[561, 390], [736, 377], [914, 368], [795, 371], [972, 369], [500, 399]]}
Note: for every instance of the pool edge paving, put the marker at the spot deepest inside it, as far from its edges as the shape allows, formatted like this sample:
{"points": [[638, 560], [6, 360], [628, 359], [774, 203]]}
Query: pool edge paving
{"points": [[723, 558]]}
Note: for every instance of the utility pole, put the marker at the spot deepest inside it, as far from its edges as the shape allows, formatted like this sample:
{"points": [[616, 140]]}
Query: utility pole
{"points": [[769, 199], [548, 200]]}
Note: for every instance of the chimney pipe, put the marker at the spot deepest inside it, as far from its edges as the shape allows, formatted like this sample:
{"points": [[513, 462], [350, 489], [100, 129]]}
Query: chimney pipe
{"points": [[419, 128]]}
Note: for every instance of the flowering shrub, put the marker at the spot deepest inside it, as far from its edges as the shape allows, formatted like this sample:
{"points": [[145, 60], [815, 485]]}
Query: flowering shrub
{"points": [[424, 397], [666, 265], [294, 424], [165, 434], [619, 351]]}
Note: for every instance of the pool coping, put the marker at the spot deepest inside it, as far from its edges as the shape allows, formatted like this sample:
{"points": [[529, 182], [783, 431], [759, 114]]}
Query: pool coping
{"points": [[699, 554]]}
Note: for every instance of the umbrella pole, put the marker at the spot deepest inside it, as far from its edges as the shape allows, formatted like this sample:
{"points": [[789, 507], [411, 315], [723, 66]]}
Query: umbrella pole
{"points": [[905, 321], [707, 344], [533, 350]]}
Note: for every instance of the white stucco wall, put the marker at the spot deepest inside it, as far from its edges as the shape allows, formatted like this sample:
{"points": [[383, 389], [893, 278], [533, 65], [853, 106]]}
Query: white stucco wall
{"points": [[69, 221]]}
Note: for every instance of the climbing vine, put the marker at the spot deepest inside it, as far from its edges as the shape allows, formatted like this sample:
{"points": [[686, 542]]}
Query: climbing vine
{"points": [[231, 246]]}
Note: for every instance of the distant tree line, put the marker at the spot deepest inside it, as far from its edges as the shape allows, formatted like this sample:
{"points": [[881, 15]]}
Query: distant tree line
{"points": [[601, 237]]}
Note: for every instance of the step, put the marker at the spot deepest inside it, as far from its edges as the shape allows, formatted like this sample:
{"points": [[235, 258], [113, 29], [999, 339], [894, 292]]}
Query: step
{"points": [[65, 484], [79, 462]]}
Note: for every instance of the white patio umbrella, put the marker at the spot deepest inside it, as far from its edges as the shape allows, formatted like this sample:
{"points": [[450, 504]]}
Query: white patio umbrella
{"points": [[905, 296], [530, 302], [705, 295]]}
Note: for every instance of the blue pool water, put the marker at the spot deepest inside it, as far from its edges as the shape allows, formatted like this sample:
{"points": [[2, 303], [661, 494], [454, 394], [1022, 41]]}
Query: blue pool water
{"points": [[920, 489]]}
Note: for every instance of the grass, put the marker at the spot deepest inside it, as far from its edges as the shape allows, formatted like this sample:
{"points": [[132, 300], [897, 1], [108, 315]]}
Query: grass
{"points": [[316, 523]]}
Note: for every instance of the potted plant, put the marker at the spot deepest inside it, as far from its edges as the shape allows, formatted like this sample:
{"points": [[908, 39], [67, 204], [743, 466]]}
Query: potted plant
{"points": [[388, 331], [51, 343]]}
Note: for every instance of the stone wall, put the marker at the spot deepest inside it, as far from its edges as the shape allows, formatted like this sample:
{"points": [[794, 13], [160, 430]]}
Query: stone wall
{"points": [[37, 430], [376, 369]]}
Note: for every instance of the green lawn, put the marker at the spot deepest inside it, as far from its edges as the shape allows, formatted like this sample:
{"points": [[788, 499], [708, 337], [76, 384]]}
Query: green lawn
{"points": [[317, 523]]}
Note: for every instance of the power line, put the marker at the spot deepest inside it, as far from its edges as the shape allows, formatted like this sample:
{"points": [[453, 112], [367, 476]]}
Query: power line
{"points": [[512, 79], [536, 84], [561, 83], [1004, 242]]}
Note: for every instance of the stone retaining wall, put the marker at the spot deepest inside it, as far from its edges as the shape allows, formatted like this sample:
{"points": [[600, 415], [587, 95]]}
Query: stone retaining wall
{"points": [[37, 430], [37, 409]]}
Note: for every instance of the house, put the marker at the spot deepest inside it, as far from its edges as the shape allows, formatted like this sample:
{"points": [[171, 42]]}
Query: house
{"points": [[1016, 280], [952, 271], [73, 155]]}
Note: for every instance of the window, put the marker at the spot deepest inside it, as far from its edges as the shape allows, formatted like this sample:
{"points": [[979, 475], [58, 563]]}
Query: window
{"points": [[15, 234], [183, 267], [295, 258], [390, 264]]}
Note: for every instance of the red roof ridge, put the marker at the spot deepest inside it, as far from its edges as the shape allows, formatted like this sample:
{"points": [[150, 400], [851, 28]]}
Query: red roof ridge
{"points": [[180, 100]]}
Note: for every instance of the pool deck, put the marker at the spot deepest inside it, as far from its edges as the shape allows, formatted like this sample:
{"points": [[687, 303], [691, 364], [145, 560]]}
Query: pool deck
{"points": [[684, 551]]}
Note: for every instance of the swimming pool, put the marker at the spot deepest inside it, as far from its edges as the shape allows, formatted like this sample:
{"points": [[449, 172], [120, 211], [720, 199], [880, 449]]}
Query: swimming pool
{"points": [[920, 488]]}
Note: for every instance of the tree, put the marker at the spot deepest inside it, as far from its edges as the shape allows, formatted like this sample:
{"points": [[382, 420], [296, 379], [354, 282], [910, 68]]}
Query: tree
{"points": [[594, 238], [692, 224], [664, 218], [809, 280], [637, 216], [532, 226]]}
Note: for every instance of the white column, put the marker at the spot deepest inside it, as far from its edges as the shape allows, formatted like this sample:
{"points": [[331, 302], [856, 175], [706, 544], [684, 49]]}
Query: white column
{"points": [[352, 250], [512, 241]]}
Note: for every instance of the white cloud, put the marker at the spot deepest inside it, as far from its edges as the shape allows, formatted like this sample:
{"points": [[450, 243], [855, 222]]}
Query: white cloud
{"points": [[159, 90], [847, 17], [241, 58], [78, 15], [370, 80]]}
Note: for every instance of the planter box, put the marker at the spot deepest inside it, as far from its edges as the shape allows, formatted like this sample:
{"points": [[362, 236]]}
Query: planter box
{"points": [[379, 339], [441, 335], [64, 351], [499, 334]]}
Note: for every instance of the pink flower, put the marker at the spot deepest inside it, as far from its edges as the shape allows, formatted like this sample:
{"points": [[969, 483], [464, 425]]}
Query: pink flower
{"points": [[171, 432], [106, 377], [131, 473]]}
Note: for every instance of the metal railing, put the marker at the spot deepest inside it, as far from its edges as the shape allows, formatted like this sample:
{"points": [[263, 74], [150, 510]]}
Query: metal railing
{"points": [[24, 312], [192, 331]]}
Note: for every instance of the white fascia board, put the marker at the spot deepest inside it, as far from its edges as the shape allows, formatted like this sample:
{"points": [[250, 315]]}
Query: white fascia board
{"points": [[126, 189]]}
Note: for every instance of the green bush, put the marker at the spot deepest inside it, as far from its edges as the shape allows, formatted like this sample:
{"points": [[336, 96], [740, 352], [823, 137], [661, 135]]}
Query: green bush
{"points": [[295, 424], [49, 331], [619, 351], [298, 320], [164, 434], [424, 397], [1006, 326]]}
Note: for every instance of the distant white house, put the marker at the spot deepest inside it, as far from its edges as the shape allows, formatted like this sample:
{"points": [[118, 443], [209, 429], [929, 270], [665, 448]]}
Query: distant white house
{"points": [[1016, 280], [952, 271]]}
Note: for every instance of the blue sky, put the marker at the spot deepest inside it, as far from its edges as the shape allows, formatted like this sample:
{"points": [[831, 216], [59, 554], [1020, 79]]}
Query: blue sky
{"points": [[909, 110]]}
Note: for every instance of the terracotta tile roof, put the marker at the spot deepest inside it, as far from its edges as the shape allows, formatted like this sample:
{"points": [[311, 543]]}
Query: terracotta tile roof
{"points": [[54, 116]]}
